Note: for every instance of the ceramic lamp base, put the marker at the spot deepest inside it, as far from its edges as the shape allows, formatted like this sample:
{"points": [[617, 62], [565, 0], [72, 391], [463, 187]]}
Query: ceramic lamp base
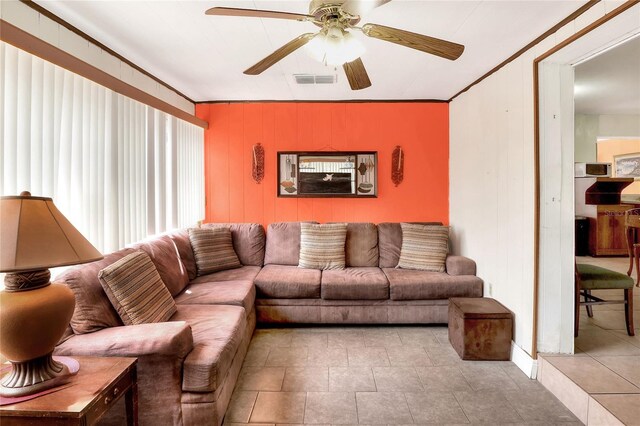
{"points": [[33, 376]]}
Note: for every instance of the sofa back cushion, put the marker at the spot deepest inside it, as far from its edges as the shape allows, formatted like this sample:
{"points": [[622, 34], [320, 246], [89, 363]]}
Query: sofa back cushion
{"points": [[163, 252], [248, 241], [361, 249], [183, 244], [93, 309], [283, 244], [390, 242]]}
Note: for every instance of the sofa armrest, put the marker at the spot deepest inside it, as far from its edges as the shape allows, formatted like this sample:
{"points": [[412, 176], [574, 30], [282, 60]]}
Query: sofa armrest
{"points": [[460, 265], [173, 339]]}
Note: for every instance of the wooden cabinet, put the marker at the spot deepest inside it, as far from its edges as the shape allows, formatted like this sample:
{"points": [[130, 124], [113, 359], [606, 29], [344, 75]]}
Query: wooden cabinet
{"points": [[607, 231]]}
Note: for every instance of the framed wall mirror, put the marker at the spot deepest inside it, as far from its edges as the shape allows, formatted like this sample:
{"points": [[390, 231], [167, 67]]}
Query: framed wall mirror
{"points": [[328, 174]]}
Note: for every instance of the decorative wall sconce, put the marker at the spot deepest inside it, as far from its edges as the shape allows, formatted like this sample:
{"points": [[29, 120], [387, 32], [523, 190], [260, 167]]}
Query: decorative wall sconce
{"points": [[397, 165], [257, 166]]}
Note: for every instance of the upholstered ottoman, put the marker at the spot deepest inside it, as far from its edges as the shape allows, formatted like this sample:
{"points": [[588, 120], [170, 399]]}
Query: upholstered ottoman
{"points": [[480, 328]]}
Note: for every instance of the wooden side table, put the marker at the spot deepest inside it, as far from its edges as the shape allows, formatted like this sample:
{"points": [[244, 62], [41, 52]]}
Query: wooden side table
{"points": [[100, 382]]}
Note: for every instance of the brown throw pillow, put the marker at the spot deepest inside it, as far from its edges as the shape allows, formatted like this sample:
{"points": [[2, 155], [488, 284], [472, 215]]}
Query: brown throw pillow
{"points": [[213, 249], [322, 246], [424, 247], [136, 290]]}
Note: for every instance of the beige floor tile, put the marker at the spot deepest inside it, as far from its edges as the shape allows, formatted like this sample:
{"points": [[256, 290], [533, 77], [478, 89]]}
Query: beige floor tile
{"points": [[592, 376], [626, 408], [408, 356], [568, 392], [435, 407], [539, 406], [622, 335], [417, 337], [397, 379], [442, 379], [279, 407], [271, 337], [521, 379], [241, 406], [487, 407], [327, 357], [382, 338], [614, 319], [346, 339], [383, 407], [260, 378], [256, 356], [443, 354], [331, 407], [599, 342], [370, 357], [306, 379], [626, 366], [287, 356], [308, 339], [442, 334], [351, 379], [247, 424], [481, 377]]}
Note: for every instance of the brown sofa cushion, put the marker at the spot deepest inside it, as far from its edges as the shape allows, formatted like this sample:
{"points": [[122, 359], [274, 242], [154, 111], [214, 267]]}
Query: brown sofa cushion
{"points": [[362, 244], [424, 247], [213, 249], [406, 284], [244, 273], [390, 242], [136, 290], [217, 332], [322, 246], [354, 284], [165, 256], [288, 282], [93, 309], [248, 241], [183, 244], [238, 293], [283, 244], [460, 265]]}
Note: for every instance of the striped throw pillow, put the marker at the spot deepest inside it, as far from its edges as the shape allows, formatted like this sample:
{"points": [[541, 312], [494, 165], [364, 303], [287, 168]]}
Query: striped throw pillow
{"points": [[213, 249], [136, 290], [322, 246], [424, 247]]}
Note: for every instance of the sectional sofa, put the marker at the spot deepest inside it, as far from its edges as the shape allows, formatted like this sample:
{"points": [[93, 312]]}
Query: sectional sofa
{"points": [[188, 366]]}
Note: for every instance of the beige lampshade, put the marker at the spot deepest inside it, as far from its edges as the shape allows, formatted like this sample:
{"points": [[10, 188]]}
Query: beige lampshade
{"points": [[35, 235]]}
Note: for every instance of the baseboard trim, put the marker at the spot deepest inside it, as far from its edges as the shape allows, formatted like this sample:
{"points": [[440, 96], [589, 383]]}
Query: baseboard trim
{"points": [[523, 360]]}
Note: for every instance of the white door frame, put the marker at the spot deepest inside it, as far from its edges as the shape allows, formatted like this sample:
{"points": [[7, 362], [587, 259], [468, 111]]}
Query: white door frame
{"points": [[554, 121]]}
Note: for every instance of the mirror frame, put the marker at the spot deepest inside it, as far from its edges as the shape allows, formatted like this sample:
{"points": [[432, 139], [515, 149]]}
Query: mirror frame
{"points": [[356, 194]]}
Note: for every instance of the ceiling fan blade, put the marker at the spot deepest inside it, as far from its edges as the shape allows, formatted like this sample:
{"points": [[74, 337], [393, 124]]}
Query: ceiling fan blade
{"points": [[253, 13], [356, 74], [361, 7], [279, 54], [432, 45]]}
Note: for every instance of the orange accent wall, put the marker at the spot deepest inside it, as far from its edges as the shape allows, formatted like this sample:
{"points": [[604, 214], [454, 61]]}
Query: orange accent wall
{"points": [[422, 129]]}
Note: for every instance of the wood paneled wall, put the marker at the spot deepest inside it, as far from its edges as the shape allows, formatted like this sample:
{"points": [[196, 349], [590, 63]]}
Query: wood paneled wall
{"points": [[422, 129]]}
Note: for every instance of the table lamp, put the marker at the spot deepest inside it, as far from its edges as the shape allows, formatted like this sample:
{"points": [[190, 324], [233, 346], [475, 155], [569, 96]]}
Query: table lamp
{"points": [[34, 313]]}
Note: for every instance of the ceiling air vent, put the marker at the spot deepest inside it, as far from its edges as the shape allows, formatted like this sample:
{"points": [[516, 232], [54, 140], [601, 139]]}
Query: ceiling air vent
{"points": [[315, 79]]}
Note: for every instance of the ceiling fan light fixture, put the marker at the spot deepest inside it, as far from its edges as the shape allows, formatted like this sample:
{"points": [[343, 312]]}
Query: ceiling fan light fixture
{"points": [[335, 50]]}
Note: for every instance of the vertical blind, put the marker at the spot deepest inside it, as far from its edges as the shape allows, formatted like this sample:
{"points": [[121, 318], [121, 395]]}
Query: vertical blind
{"points": [[118, 169]]}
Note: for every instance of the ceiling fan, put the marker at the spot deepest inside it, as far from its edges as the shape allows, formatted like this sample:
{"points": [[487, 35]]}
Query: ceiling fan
{"points": [[333, 44]]}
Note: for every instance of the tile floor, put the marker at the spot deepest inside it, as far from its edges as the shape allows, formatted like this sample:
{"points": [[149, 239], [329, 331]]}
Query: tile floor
{"points": [[381, 375], [600, 383]]}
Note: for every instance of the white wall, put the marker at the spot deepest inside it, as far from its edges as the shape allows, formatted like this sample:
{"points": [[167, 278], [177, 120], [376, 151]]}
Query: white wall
{"points": [[492, 177], [29, 20], [586, 136], [588, 128]]}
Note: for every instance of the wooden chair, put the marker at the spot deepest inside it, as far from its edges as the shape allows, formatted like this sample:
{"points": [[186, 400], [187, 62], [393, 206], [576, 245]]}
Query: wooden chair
{"points": [[632, 226], [591, 277]]}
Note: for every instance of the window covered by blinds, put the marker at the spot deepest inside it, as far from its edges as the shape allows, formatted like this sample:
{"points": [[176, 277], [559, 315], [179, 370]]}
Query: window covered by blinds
{"points": [[118, 169]]}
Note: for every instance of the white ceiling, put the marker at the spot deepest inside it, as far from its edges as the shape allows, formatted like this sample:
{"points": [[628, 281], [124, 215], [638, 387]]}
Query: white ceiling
{"points": [[610, 82], [204, 56]]}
